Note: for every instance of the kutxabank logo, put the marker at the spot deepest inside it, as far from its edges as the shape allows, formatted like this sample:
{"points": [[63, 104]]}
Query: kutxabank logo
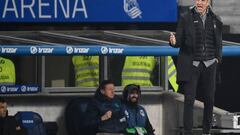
{"points": [[104, 50], [69, 50], [3, 89], [23, 88], [33, 50]]}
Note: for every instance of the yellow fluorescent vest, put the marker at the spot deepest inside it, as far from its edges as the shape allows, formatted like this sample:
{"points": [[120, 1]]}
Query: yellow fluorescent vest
{"points": [[172, 74], [7, 72], [137, 70], [86, 70]]}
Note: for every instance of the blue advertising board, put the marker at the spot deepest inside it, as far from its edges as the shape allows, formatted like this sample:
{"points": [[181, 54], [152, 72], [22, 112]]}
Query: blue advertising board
{"points": [[108, 50], [88, 11], [87, 50], [19, 89]]}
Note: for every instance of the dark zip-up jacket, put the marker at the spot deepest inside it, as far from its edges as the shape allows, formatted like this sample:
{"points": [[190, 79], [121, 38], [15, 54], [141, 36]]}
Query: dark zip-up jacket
{"points": [[9, 126], [137, 116], [186, 41], [98, 107]]}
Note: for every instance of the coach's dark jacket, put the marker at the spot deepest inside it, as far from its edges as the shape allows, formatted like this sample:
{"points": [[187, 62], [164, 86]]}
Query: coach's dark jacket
{"points": [[185, 36]]}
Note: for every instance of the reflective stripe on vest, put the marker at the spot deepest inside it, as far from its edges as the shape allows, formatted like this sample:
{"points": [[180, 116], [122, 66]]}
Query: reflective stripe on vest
{"points": [[7, 72], [137, 70], [86, 70], [172, 74]]}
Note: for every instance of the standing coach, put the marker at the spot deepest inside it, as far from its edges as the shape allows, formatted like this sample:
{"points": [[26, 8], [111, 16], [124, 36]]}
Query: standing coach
{"points": [[199, 36]]}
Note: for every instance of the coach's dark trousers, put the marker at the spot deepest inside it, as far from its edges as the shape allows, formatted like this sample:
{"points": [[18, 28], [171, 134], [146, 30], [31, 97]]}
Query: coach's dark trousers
{"points": [[206, 76]]}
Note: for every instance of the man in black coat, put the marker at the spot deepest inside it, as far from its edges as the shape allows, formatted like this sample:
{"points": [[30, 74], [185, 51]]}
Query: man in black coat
{"points": [[104, 112], [8, 124], [199, 36]]}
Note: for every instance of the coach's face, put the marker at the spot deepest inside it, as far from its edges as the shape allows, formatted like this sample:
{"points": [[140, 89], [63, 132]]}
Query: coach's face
{"points": [[201, 6]]}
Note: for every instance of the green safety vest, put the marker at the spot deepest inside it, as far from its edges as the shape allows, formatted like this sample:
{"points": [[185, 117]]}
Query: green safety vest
{"points": [[86, 70], [137, 70], [7, 72]]}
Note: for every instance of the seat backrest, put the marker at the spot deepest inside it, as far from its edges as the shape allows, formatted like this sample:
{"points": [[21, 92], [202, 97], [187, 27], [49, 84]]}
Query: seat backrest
{"points": [[75, 116], [32, 121]]}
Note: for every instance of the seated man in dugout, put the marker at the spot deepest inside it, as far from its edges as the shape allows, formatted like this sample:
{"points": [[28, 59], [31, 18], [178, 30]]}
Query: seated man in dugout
{"points": [[8, 124], [104, 112], [137, 118]]}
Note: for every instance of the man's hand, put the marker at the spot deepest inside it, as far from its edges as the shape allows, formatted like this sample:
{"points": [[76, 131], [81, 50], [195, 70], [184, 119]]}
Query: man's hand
{"points": [[172, 39], [18, 128], [106, 116]]}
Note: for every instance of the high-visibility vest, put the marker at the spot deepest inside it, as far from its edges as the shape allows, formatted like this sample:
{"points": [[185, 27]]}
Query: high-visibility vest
{"points": [[172, 74], [137, 70], [86, 71], [7, 72]]}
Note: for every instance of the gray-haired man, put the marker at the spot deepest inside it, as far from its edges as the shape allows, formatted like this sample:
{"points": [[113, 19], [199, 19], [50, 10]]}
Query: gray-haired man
{"points": [[199, 36]]}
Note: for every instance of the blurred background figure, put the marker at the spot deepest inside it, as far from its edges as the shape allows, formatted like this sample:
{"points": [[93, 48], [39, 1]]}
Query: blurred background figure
{"points": [[7, 72], [86, 71], [138, 70]]}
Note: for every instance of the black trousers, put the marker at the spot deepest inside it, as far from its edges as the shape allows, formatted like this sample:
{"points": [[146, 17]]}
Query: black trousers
{"points": [[206, 76]]}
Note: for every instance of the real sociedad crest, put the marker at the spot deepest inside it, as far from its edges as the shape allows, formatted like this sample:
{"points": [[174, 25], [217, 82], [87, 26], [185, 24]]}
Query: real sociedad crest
{"points": [[131, 7]]}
